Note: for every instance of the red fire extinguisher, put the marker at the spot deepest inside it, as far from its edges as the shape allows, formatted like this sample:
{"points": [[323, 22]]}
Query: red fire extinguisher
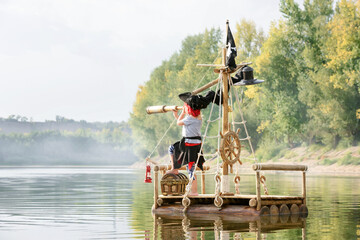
{"points": [[148, 174]]}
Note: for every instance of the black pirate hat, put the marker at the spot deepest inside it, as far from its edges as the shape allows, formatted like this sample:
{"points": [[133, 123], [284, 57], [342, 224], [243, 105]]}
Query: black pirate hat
{"points": [[197, 102], [245, 76]]}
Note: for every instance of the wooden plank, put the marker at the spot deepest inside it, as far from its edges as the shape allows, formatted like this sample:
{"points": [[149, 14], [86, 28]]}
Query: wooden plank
{"points": [[202, 182], [168, 167], [209, 211], [278, 202], [156, 186], [206, 86], [278, 167], [258, 191], [225, 120], [264, 197], [304, 187], [209, 65], [228, 70]]}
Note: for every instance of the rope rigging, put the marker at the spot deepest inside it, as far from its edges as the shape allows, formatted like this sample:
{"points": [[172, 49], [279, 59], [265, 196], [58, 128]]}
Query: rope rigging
{"points": [[228, 144]]}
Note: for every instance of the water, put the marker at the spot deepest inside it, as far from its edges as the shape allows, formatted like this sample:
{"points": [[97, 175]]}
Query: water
{"points": [[114, 203]]}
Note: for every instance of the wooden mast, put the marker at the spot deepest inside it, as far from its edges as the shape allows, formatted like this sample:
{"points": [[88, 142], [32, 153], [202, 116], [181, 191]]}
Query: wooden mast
{"points": [[225, 185]]}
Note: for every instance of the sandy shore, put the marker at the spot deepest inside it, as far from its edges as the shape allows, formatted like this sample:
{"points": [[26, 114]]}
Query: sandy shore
{"points": [[348, 170]]}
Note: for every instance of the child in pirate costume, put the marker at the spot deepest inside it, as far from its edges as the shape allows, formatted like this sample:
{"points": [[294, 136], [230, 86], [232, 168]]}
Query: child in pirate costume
{"points": [[185, 151]]}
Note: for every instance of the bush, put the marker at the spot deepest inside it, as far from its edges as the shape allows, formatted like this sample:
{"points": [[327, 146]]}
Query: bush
{"points": [[271, 152], [348, 159], [327, 161]]}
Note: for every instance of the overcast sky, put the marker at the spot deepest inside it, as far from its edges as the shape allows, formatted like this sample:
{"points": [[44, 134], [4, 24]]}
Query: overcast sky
{"points": [[84, 59]]}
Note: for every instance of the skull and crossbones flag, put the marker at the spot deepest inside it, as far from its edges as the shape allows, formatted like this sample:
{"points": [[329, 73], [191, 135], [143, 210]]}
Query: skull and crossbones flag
{"points": [[231, 52]]}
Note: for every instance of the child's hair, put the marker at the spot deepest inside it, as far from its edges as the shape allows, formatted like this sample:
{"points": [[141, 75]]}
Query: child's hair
{"points": [[191, 111]]}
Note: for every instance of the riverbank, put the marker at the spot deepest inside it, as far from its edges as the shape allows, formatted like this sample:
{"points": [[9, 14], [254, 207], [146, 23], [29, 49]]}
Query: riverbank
{"points": [[321, 161]]}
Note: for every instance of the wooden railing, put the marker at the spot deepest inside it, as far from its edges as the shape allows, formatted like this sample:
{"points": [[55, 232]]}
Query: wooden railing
{"points": [[278, 167]]}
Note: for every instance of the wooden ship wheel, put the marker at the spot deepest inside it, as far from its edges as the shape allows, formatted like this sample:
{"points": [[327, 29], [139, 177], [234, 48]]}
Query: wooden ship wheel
{"points": [[230, 147]]}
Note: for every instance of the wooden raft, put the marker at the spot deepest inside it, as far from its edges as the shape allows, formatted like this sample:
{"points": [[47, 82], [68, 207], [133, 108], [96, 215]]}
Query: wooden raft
{"points": [[238, 204]]}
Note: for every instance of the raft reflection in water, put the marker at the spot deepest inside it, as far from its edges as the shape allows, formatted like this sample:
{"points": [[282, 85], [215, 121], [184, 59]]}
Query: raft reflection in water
{"points": [[212, 226]]}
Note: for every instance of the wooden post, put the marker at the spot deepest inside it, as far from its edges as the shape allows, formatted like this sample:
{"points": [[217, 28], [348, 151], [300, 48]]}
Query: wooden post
{"points": [[258, 230], [156, 186], [258, 191], [225, 184], [278, 167], [304, 187], [202, 182], [156, 224], [206, 86]]}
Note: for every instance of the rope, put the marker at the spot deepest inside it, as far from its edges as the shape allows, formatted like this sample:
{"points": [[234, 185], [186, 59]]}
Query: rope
{"points": [[220, 50], [262, 178], [188, 186], [157, 145], [232, 107], [243, 120], [216, 119], [161, 138]]}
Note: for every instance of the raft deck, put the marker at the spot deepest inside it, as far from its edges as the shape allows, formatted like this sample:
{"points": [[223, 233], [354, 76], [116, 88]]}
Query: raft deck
{"points": [[238, 204], [237, 199]]}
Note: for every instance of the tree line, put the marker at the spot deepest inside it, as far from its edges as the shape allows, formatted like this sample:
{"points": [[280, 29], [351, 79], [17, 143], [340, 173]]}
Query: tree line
{"points": [[309, 59], [90, 144]]}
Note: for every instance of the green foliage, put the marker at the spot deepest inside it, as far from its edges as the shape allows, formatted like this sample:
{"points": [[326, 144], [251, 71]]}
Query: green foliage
{"points": [[349, 159], [176, 75], [271, 151], [311, 67], [327, 161]]}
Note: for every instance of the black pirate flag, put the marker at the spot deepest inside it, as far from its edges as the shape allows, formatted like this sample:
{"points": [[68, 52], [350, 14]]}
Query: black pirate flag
{"points": [[231, 52]]}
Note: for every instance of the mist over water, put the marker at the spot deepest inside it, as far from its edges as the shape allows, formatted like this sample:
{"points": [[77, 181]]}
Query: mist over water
{"points": [[65, 142]]}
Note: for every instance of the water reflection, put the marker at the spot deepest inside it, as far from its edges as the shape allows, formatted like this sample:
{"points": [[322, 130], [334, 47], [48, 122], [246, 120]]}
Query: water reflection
{"points": [[224, 227], [115, 203]]}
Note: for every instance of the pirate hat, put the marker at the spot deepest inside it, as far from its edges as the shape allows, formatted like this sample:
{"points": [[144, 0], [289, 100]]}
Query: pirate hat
{"points": [[245, 77], [197, 102]]}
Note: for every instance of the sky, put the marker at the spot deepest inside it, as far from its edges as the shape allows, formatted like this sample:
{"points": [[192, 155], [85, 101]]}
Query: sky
{"points": [[85, 59]]}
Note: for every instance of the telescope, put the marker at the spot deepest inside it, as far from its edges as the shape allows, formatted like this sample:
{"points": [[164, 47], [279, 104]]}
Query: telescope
{"points": [[162, 109]]}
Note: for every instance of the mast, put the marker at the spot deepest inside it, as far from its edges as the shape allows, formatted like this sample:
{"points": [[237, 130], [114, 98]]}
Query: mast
{"points": [[225, 185]]}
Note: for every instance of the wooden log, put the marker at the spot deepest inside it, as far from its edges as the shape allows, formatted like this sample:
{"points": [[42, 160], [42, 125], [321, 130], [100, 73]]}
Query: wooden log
{"points": [[284, 218], [284, 213], [168, 167], [209, 65], [264, 211], [162, 109], [152, 161], [258, 191], [284, 209], [156, 186], [209, 211], [294, 217], [278, 167], [202, 182], [294, 209], [225, 116], [278, 202], [275, 199], [274, 218], [304, 187], [274, 210], [206, 86], [303, 211], [252, 202]]}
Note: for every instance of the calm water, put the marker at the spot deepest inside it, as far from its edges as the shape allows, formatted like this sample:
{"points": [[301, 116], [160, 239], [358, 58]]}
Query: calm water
{"points": [[114, 203]]}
